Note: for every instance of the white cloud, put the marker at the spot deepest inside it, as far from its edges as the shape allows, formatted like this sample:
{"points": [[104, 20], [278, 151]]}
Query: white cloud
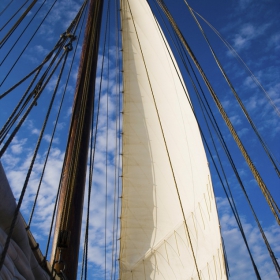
{"points": [[238, 258]]}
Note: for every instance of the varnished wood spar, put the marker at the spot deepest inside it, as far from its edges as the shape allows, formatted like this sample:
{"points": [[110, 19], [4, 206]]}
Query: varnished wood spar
{"points": [[70, 208]]}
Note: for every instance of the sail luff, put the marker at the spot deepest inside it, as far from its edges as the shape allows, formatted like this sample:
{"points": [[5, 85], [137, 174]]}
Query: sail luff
{"points": [[159, 168]]}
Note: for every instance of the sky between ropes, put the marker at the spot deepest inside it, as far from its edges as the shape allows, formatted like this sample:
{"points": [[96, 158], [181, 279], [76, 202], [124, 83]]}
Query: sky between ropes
{"points": [[250, 27]]}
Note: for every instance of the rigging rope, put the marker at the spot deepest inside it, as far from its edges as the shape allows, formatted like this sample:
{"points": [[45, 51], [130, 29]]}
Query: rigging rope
{"points": [[34, 33], [35, 93], [220, 137], [234, 52], [64, 56], [13, 15], [271, 202], [106, 141], [10, 32], [232, 205], [117, 149], [235, 94], [92, 156], [18, 38], [5, 8]]}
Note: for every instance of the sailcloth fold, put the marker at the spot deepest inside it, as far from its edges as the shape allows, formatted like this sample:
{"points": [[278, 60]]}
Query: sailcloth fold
{"points": [[20, 262], [169, 223]]}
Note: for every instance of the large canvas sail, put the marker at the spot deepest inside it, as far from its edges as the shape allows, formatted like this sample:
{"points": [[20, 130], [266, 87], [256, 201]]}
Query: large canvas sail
{"points": [[169, 223]]}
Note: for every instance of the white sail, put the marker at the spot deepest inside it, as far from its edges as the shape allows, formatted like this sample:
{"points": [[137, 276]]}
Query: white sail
{"points": [[169, 223]]}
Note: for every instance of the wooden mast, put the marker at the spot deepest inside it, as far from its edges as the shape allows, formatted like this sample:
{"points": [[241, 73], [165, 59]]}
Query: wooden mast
{"points": [[66, 242]]}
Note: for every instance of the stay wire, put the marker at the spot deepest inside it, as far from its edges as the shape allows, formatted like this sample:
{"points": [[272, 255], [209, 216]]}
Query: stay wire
{"points": [[270, 200], [35, 93], [223, 144], [9, 235], [234, 52], [92, 159], [24, 100], [16, 12], [270, 156], [117, 148], [62, 41], [72, 28], [34, 33], [107, 138], [183, 55], [47, 58], [5, 8], [53, 133], [220, 137], [119, 77], [204, 139], [20, 35], [11, 31]]}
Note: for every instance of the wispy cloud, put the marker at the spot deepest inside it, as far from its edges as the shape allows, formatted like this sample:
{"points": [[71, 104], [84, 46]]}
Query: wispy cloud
{"points": [[247, 33], [238, 258]]}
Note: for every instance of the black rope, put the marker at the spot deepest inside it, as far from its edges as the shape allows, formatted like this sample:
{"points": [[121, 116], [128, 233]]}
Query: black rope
{"points": [[5, 8], [35, 93], [237, 219], [34, 33], [58, 190], [30, 167], [242, 62], [272, 256], [52, 136], [11, 31], [117, 149], [16, 12], [269, 154], [118, 160], [20, 35], [13, 118], [266, 193], [107, 143], [234, 209], [92, 155]]}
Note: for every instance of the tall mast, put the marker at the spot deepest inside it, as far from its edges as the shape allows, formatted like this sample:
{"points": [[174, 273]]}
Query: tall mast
{"points": [[66, 243]]}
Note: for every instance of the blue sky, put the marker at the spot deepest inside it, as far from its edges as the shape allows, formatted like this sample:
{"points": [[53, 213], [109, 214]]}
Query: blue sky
{"points": [[252, 29]]}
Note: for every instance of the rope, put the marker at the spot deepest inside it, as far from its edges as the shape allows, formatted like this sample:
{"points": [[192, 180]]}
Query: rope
{"points": [[117, 149], [118, 27], [59, 46], [92, 159], [18, 38], [234, 52], [53, 133], [4, 79], [30, 168], [13, 15], [220, 137], [235, 94], [35, 93], [271, 202], [232, 205], [10, 32], [5, 8], [107, 143]]}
